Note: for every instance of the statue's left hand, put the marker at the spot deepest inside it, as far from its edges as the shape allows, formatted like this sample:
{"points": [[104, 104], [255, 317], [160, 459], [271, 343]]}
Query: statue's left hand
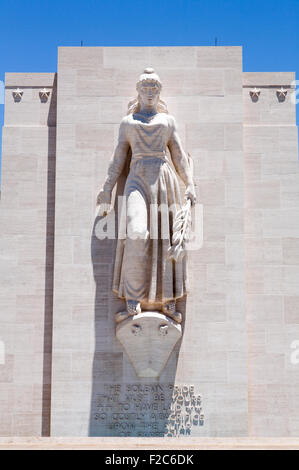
{"points": [[190, 194], [104, 197]]}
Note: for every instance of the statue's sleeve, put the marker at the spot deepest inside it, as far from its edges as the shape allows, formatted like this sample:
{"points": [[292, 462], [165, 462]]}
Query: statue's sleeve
{"points": [[118, 159], [178, 156]]}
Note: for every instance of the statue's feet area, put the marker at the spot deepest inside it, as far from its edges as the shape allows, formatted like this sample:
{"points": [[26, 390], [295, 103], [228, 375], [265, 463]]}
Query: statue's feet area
{"points": [[134, 308], [168, 308]]}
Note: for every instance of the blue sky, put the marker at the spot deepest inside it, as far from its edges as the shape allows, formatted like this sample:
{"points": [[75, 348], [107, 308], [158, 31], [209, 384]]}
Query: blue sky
{"points": [[31, 31]]}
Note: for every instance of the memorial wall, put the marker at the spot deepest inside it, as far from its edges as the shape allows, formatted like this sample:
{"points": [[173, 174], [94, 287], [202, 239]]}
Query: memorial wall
{"points": [[71, 366]]}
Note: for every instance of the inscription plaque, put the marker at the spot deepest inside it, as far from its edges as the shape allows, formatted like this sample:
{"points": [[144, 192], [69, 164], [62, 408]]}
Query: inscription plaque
{"points": [[147, 410]]}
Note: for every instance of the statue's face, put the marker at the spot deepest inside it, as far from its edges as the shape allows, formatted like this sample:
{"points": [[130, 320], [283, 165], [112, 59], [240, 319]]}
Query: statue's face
{"points": [[149, 93]]}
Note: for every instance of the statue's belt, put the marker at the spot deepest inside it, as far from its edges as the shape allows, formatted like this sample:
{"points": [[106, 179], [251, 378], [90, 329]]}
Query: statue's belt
{"points": [[146, 156]]}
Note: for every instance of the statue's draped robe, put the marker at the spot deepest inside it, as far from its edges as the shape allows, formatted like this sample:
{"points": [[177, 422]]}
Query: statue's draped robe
{"points": [[142, 268]]}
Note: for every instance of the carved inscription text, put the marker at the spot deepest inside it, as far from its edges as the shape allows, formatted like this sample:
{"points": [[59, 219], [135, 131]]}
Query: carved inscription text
{"points": [[148, 409]]}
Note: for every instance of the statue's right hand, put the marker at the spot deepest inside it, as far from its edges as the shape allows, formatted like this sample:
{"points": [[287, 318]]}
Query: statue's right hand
{"points": [[104, 197]]}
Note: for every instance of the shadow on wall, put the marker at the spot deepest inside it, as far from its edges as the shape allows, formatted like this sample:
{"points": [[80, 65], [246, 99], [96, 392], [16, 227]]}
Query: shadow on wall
{"points": [[49, 265], [121, 403], [2, 88]]}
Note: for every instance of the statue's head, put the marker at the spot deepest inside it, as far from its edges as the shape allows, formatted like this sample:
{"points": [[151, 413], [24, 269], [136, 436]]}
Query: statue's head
{"points": [[149, 75], [148, 88]]}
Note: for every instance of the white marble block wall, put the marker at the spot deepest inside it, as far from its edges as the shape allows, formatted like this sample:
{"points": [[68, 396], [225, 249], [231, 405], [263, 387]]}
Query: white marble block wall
{"points": [[26, 254], [203, 90], [241, 316], [272, 253]]}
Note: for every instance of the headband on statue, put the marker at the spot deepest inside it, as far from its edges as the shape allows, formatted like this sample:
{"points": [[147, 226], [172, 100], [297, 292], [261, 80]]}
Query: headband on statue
{"points": [[149, 75]]}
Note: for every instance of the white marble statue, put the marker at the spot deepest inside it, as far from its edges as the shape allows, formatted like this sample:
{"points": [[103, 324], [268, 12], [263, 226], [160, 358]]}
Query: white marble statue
{"points": [[144, 273]]}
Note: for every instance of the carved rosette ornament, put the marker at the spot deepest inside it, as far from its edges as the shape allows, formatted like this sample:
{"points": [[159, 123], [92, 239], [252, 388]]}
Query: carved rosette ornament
{"points": [[44, 95], [255, 94], [17, 95], [281, 94]]}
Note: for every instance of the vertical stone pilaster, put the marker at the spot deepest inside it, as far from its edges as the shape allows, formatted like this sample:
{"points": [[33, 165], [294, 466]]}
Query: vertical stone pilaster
{"points": [[26, 254], [272, 253]]}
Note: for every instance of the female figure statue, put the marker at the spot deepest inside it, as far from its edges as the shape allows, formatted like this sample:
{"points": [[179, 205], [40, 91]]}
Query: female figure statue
{"points": [[144, 274]]}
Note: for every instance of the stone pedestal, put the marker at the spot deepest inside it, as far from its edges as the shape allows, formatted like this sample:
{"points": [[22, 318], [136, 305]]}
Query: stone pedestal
{"points": [[148, 339]]}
